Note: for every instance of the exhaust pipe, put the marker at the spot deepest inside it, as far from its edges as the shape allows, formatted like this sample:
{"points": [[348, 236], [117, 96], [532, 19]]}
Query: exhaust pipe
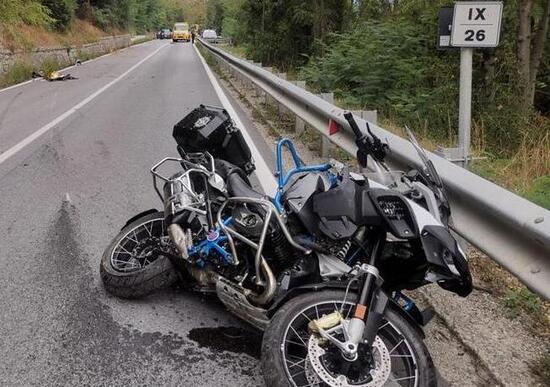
{"points": [[270, 286], [184, 241]]}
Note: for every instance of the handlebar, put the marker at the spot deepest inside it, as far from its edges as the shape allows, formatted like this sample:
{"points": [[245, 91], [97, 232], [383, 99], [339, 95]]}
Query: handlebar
{"points": [[351, 121], [366, 146]]}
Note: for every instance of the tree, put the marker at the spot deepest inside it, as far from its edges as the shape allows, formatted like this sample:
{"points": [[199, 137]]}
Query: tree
{"points": [[62, 11], [530, 46], [214, 15]]}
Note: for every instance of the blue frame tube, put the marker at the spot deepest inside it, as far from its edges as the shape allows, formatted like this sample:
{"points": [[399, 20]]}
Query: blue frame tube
{"points": [[299, 167]]}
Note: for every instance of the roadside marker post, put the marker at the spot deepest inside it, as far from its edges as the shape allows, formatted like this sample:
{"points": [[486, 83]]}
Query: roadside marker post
{"points": [[475, 24]]}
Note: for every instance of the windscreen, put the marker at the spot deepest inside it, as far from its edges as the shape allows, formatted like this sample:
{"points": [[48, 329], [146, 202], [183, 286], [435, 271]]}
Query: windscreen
{"points": [[181, 27]]}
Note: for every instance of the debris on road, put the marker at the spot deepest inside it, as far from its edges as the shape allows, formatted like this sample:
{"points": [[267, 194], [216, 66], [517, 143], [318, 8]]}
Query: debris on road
{"points": [[53, 76]]}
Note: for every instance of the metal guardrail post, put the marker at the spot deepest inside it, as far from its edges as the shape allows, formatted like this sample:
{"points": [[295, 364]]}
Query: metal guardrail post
{"points": [[509, 229]]}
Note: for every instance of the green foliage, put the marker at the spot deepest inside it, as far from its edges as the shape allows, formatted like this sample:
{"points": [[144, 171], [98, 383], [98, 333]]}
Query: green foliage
{"points": [[13, 12], [49, 65], [389, 66], [539, 192], [389, 62], [282, 32], [18, 72], [214, 15], [522, 301], [132, 15], [232, 25], [62, 11]]}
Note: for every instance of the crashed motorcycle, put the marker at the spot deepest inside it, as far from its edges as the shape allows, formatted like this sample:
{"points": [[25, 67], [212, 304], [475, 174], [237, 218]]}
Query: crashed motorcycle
{"points": [[320, 266]]}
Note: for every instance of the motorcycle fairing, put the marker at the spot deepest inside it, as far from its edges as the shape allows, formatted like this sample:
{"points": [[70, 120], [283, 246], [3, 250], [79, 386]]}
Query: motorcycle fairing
{"points": [[448, 266]]}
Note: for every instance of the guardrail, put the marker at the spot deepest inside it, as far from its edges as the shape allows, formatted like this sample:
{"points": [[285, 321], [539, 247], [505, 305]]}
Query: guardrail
{"points": [[509, 229], [218, 40]]}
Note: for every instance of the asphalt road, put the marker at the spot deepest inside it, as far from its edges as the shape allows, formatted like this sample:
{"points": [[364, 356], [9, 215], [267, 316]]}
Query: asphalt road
{"points": [[65, 194]]}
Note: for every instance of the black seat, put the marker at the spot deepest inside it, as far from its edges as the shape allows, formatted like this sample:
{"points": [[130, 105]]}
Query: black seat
{"points": [[236, 180], [236, 186]]}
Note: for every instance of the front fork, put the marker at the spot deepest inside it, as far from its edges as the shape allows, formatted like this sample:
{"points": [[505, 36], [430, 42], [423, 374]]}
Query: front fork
{"points": [[369, 308]]}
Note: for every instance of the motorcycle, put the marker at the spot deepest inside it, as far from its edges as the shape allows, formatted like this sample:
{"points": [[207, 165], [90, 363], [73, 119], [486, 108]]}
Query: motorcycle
{"points": [[320, 266]]}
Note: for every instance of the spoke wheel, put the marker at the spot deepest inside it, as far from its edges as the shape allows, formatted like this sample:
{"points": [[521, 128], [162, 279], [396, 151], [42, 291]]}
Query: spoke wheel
{"points": [[294, 357], [131, 266], [138, 247], [297, 352]]}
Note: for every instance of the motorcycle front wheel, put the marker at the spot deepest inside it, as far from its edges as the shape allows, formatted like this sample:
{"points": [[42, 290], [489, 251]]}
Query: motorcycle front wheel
{"points": [[131, 266], [291, 356]]}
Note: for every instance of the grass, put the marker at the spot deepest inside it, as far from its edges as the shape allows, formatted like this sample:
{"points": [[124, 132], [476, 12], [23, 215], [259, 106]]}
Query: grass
{"points": [[49, 65], [517, 301], [19, 72], [521, 300], [539, 192]]}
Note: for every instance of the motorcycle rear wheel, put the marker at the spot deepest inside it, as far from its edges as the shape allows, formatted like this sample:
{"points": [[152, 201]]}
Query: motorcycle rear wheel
{"points": [[130, 267], [285, 363]]}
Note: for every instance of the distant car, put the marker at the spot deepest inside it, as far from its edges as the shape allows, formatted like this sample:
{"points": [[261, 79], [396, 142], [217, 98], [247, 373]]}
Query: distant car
{"points": [[164, 33], [209, 34], [181, 32]]}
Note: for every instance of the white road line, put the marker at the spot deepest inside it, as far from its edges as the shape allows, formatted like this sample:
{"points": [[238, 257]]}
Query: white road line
{"points": [[264, 173], [22, 144]]}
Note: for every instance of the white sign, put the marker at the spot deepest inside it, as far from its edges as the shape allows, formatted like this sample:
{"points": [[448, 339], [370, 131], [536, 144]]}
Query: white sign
{"points": [[476, 24]]}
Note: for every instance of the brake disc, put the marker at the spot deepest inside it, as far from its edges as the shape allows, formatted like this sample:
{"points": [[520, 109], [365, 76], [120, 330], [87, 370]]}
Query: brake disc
{"points": [[379, 374]]}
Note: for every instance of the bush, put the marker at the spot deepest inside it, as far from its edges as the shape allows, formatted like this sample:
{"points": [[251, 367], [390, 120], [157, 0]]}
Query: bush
{"points": [[49, 65], [18, 72], [388, 66], [62, 11], [30, 12]]}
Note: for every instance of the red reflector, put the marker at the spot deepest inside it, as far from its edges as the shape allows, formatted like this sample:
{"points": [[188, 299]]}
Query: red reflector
{"points": [[333, 127]]}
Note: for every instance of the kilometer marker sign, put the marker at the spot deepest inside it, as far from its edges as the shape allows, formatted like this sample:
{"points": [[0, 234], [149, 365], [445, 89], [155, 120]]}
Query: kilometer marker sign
{"points": [[476, 24]]}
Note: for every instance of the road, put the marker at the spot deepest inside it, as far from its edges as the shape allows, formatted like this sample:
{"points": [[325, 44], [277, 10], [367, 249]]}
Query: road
{"points": [[74, 165]]}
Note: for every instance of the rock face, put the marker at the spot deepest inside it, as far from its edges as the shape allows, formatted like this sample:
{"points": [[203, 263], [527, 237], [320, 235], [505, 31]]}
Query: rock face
{"points": [[63, 55]]}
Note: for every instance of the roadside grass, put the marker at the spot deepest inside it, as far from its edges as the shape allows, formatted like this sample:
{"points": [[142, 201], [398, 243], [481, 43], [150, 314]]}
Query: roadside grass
{"points": [[517, 301], [19, 72], [527, 173], [210, 60], [521, 300], [49, 65]]}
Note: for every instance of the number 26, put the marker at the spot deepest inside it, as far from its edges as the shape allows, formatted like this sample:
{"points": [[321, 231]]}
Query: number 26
{"points": [[479, 35]]}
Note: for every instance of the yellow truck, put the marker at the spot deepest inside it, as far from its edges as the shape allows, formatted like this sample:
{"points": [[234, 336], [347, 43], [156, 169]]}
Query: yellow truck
{"points": [[181, 32]]}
